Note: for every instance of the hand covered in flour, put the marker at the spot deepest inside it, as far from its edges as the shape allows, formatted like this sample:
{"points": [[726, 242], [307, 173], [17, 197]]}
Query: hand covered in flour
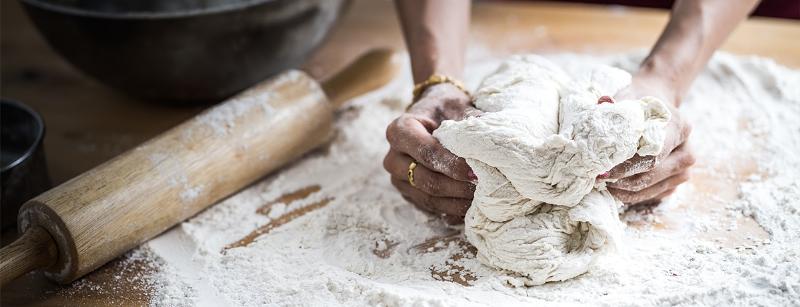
{"points": [[443, 182], [645, 180]]}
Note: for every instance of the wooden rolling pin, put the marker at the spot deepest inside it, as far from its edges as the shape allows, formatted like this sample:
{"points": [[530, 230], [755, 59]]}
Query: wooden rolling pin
{"points": [[80, 225]]}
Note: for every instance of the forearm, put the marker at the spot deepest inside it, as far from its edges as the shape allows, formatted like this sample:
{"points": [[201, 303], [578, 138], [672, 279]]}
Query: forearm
{"points": [[695, 30], [436, 33]]}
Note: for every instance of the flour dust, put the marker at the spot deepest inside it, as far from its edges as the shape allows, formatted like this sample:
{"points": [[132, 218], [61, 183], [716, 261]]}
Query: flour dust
{"points": [[331, 230]]}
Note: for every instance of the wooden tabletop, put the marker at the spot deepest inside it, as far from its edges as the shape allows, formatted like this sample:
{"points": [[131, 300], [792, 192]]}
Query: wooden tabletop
{"points": [[88, 123]]}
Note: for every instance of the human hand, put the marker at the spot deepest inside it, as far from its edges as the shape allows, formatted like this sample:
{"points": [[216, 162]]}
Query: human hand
{"points": [[443, 182], [647, 180]]}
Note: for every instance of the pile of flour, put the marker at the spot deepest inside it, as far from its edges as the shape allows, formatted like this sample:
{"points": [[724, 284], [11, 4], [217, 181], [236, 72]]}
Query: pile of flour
{"points": [[537, 150], [360, 243]]}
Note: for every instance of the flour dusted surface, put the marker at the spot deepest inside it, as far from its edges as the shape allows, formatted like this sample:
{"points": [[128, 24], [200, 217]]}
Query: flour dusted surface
{"points": [[368, 247]]}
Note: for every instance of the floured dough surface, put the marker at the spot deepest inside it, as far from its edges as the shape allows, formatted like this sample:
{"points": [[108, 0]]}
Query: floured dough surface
{"points": [[537, 150]]}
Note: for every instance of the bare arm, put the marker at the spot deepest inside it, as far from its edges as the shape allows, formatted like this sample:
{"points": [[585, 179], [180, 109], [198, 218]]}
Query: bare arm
{"points": [[695, 30], [436, 33]]}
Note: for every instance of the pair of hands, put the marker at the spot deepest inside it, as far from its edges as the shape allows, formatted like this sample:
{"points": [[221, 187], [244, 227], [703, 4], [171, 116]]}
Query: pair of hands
{"points": [[444, 183]]}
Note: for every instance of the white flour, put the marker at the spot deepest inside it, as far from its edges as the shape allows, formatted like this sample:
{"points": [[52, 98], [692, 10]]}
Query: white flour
{"points": [[362, 244]]}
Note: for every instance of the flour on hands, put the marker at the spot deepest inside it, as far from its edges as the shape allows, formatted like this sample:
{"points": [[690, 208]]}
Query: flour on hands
{"points": [[538, 209]]}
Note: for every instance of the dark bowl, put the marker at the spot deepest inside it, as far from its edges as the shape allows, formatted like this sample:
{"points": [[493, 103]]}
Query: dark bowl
{"points": [[184, 50], [23, 169]]}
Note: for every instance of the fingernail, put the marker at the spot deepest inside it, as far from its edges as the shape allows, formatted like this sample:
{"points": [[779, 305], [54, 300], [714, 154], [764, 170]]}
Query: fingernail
{"points": [[605, 99], [604, 175], [472, 177]]}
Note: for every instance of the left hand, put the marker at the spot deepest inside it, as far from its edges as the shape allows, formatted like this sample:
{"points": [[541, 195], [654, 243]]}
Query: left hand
{"points": [[646, 180], [443, 181]]}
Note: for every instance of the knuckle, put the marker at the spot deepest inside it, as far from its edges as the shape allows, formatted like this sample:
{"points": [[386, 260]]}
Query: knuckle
{"points": [[683, 177], [688, 160], [686, 130], [387, 163], [401, 123], [391, 131], [621, 195]]}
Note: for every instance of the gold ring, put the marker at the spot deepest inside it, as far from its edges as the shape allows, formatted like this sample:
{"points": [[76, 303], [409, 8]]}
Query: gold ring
{"points": [[411, 168]]}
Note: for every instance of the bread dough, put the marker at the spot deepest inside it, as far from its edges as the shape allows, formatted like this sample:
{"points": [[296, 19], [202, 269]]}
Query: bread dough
{"points": [[537, 150]]}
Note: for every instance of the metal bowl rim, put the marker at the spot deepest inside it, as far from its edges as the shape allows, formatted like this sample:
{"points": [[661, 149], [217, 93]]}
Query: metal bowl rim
{"points": [[39, 133], [72, 11]]}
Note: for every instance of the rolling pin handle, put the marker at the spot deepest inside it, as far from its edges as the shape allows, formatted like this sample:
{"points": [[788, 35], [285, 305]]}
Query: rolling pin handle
{"points": [[368, 72], [193, 145], [34, 249]]}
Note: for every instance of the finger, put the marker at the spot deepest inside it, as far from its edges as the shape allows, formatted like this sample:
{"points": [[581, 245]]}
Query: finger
{"points": [[448, 219], [635, 165], [411, 135], [683, 129], [677, 162], [630, 197], [416, 198], [678, 134], [417, 205], [650, 203], [439, 205], [666, 194], [440, 185], [426, 180], [453, 219]]}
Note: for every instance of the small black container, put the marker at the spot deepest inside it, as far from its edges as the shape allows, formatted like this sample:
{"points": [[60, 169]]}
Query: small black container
{"points": [[24, 170]]}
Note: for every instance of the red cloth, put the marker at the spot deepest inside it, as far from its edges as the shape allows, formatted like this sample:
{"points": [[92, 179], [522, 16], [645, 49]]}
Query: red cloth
{"points": [[769, 8]]}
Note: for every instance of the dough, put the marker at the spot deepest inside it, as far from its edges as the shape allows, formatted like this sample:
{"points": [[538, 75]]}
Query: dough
{"points": [[537, 150]]}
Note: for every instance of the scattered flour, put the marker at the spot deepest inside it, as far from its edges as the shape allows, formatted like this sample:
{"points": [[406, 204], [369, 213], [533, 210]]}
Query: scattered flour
{"points": [[331, 230]]}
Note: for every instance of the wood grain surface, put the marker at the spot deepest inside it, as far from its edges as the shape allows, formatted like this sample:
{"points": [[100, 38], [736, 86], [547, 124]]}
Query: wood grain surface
{"points": [[88, 123]]}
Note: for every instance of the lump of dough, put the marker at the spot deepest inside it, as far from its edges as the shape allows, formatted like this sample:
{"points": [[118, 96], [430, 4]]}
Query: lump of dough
{"points": [[549, 244], [537, 151]]}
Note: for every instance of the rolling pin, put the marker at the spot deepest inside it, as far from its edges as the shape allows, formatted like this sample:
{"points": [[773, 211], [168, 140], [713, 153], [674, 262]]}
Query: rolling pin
{"points": [[76, 227]]}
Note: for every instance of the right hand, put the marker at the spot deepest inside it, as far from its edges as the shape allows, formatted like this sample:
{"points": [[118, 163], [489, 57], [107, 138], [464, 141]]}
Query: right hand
{"points": [[646, 180], [443, 182]]}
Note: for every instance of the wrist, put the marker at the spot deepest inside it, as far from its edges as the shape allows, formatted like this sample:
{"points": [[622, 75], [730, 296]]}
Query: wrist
{"points": [[657, 68], [672, 64], [446, 91], [656, 84], [443, 101], [442, 88], [436, 79]]}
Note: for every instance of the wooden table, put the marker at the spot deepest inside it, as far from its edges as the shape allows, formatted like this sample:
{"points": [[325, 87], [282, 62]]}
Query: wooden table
{"points": [[88, 123]]}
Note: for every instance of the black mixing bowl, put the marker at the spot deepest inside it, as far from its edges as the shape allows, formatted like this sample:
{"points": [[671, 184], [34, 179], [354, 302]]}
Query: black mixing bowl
{"points": [[185, 50], [23, 169]]}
